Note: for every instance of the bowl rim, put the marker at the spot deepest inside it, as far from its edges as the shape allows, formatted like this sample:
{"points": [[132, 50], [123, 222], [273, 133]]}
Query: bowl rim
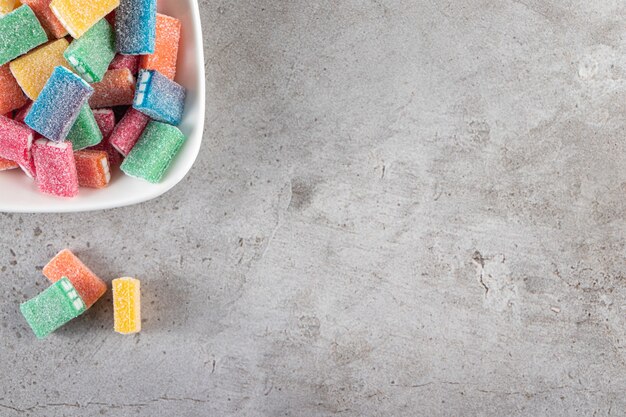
{"points": [[173, 178]]}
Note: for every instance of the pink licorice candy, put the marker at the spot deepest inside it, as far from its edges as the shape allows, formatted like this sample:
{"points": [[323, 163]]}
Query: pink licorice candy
{"points": [[105, 118], [126, 61], [16, 140], [128, 131], [56, 168]]}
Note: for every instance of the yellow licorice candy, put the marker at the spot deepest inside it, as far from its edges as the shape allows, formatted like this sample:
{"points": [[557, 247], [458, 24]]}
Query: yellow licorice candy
{"points": [[78, 16], [33, 70], [126, 305], [7, 6]]}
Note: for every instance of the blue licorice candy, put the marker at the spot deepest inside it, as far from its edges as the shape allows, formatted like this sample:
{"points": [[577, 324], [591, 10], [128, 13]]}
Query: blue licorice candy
{"points": [[54, 112], [135, 27], [159, 97]]}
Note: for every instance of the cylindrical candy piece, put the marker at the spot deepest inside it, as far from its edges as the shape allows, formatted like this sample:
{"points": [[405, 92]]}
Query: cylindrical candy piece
{"points": [[166, 48], [20, 31], [48, 20], [159, 97], [117, 88], [135, 27], [128, 131], [11, 95], [126, 305], [91, 55], [78, 16], [85, 131], [16, 140], [33, 70], [154, 152], [54, 112], [92, 168], [56, 168]]}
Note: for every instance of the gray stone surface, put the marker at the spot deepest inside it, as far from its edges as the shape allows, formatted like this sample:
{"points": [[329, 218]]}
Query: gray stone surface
{"points": [[401, 208]]}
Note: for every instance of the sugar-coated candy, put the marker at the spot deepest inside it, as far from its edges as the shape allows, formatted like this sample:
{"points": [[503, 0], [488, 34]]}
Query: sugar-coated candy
{"points": [[106, 121], [85, 131], [128, 131], [153, 154], [91, 55], [65, 264], [7, 6], [6, 164], [11, 95], [16, 141], [92, 168], [127, 305], [78, 16], [135, 27], [48, 20], [130, 62], [159, 97], [20, 31], [33, 70], [58, 105], [117, 88], [51, 309], [166, 49], [55, 168]]}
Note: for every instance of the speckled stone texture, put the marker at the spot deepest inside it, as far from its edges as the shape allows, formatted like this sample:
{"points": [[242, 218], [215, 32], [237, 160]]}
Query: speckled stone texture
{"points": [[401, 208]]}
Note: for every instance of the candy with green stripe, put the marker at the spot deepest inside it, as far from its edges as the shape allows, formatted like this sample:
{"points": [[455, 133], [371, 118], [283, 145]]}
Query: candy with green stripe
{"points": [[20, 31], [91, 55], [54, 307], [152, 155], [85, 131]]}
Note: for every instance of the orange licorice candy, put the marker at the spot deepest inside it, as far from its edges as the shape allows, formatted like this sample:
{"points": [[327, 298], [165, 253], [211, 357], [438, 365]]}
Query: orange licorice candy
{"points": [[166, 49], [117, 88], [48, 20], [5, 164], [66, 264], [92, 168], [11, 95]]}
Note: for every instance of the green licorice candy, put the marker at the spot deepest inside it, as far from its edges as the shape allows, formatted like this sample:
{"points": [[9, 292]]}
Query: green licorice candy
{"points": [[85, 131], [52, 308], [20, 31], [91, 54], [153, 153]]}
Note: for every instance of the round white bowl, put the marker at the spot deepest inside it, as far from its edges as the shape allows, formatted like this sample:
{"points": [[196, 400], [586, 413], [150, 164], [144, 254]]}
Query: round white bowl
{"points": [[18, 193]]}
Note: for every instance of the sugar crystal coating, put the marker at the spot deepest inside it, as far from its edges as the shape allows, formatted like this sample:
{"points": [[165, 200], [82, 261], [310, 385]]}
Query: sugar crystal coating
{"points": [[166, 49], [7, 6], [91, 55], [153, 154], [135, 26], [53, 308], [16, 140], [117, 88], [54, 112], [78, 16], [33, 70], [106, 121], [159, 97], [130, 62], [92, 168], [127, 305], [48, 20], [128, 131], [20, 31], [55, 168], [66, 264], [85, 131], [11, 95]]}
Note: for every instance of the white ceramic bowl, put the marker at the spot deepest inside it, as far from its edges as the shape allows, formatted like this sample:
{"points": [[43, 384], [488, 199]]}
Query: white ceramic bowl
{"points": [[19, 194]]}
